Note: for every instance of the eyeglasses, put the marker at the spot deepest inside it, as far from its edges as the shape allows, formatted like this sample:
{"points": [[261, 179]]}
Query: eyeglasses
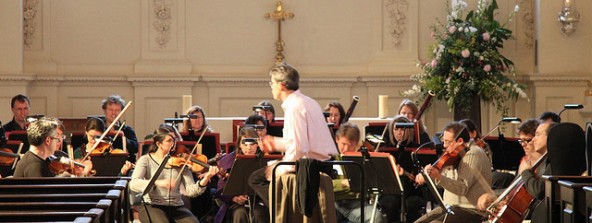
{"points": [[60, 139], [526, 141]]}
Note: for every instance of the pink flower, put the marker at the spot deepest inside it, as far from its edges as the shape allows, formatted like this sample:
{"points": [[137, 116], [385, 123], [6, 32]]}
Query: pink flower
{"points": [[487, 68], [434, 63], [452, 29], [465, 53], [486, 36]]}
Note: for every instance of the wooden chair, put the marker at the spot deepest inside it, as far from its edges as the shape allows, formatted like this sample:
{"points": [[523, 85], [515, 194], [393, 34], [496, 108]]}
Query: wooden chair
{"points": [[573, 204], [553, 194], [104, 204], [30, 216]]}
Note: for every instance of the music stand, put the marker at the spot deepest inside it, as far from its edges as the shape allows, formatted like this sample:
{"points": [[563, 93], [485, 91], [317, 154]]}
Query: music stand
{"points": [[210, 142], [381, 176], [108, 164], [242, 168], [506, 152]]}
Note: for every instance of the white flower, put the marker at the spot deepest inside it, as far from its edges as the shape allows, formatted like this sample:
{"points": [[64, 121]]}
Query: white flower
{"points": [[473, 29], [460, 29], [516, 8], [481, 58]]}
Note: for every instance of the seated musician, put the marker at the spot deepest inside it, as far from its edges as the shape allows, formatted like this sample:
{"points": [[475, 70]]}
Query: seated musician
{"points": [[19, 105], [409, 109], [463, 183], [95, 127], [260, 124], [336, 113], [268, 113], [526, 133], [415, 200], [197, 124], [44, 141], [164, 200], [347, 204], [235, 208], [112, 106]]}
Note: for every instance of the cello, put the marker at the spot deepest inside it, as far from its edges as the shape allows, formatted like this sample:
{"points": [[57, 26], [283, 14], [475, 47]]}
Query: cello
{"points": [[517, 200]]}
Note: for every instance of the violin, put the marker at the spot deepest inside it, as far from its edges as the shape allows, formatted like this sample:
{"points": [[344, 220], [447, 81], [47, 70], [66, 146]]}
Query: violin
{"points": [[7, 157], [197, 162], [450, 159], [62, 164]]}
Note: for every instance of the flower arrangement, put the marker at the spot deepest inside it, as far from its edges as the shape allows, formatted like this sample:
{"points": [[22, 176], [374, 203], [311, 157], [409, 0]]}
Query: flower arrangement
{"points": [[466, 60]]}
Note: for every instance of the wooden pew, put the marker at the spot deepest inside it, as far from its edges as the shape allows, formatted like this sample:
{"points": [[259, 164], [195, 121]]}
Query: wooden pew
{"points": [[573, 204], [588, 191], [103, 204], [112, 195], [119, 183], [32, 216], [553, 196]]}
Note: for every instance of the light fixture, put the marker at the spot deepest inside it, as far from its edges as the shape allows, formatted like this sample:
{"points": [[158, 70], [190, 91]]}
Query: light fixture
{"points": [[569, 17], [570, 106]]}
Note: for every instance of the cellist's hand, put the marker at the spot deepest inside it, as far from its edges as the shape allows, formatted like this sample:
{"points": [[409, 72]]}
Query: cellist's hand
{"points": [[484, 201]]}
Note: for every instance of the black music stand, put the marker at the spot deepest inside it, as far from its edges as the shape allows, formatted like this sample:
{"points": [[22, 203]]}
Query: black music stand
{"points": [[242, 168], [381, 176], [506, 152], [108, 164]]}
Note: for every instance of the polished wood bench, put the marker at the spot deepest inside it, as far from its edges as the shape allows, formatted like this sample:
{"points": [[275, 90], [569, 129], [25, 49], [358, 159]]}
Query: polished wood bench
{"points": [[104, 204], [37, 215]]}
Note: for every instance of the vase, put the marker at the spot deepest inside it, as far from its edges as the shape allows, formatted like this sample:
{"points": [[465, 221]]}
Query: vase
{"points": [[473, 112]]}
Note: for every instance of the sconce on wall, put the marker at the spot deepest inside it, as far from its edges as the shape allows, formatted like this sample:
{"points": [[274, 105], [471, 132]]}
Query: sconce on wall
{"points": [[569, 17]]}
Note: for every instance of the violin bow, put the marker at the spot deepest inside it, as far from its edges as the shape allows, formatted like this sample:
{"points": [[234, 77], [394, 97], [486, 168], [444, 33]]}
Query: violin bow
{"points": [[192, 151], [98, 141], [18, 152]]}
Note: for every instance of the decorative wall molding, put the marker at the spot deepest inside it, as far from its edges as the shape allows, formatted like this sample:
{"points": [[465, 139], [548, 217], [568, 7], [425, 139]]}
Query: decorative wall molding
{"points": [[30, 11], [397, 13], [528, 20], [162, 23]]}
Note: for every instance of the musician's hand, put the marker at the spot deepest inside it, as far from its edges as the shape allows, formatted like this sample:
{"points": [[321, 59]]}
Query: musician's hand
{"points": [[484, 201], [88, 166], [419, 180], [432, 172], [400, 170], [126, 167], [266, 143], [165, 183], [240, 199], [212, 172], [345, 183]]}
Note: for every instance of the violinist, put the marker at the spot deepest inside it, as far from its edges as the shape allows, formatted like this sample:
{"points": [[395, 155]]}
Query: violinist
{"points": [[401, 138], [234, 207], [165, 202], [464, 182], [44, 141], [93, 130], [410, 110], [268, 113], [19, 105], [347, 203], [112, 106], [336, 113], [260, 124]]}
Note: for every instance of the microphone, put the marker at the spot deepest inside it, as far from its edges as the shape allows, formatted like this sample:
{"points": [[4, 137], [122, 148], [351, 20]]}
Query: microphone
{"points": [[190, 116]]}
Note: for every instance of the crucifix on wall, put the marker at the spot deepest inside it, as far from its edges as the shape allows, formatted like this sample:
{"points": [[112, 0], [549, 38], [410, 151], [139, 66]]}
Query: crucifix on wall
{"points": [[279, 15]]}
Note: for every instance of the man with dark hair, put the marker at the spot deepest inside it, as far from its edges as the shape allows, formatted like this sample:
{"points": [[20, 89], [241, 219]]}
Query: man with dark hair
{"points": [[112, 106], [20, 109], [463, 183], [549, 116]]}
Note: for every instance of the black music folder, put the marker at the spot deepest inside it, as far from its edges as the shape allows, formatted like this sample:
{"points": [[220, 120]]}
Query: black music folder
{"points": [[379, 170], [108, 164], [242, 168]]}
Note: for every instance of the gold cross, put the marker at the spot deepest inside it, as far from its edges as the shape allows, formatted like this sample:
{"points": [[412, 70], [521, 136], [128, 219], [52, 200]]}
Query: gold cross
{"points": [[279, 15]]}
